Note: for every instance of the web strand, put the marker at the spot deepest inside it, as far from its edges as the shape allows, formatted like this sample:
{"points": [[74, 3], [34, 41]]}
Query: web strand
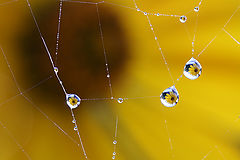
{"points": [[5, 3], [105, 54], [79, 136], [14, 139], [169, 138], [218, 32], [22, 94], [160, 49], [231, 36], [58, 30], [46, 48]]}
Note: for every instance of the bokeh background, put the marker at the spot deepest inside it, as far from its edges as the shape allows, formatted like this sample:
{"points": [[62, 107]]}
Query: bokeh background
{"points": [[205, 122]]}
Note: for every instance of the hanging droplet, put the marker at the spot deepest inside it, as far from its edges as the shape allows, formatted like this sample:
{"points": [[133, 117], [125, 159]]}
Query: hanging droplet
{"points": [[192, 69], [114, 153], [169, 97], [138, 9], [120, 100], [113, 157], [73, 100], [183, 19], [196, 9], [108, 75], [114, 142], [75, 128], [56, 69], [73, 121]]}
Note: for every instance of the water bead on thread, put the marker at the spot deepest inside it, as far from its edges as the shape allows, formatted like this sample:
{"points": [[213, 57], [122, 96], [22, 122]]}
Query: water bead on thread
{"points": [[196, 9], [183, 19], [120, 100], [192, 69], [55, 69], [114, 142], [169, 97], [73, 100]]}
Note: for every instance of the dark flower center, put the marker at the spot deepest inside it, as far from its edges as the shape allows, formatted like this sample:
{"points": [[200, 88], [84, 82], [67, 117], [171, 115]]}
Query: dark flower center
{"points": [[195, 70], [172, 98]]}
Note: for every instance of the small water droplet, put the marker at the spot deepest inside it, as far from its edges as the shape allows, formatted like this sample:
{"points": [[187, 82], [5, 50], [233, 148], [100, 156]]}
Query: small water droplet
{"points": [[108, 75], [138, 9], [169, 97], [196, 9], [114, 153], [192, 69], [183, 19], [114, 142], [158, 14], [73, 121], [113, 157], [155, 38], [112, 98], [120, 100], [75, 128], [145, 13], [73, 100], [56, 69]]}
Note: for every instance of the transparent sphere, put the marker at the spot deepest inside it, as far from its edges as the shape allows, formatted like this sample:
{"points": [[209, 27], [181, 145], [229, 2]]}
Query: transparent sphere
{"points": [[183, 19], [169, 97], [73, 100], [120, 100], [56, 69], [196, 9], [114, 142], [192, 69]]}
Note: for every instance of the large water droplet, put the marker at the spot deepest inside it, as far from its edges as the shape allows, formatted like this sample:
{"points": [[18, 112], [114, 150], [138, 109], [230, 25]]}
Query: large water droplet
{"points": [[169, 97], [183, 19], [73, 100], [75, 128], [192, 69]]}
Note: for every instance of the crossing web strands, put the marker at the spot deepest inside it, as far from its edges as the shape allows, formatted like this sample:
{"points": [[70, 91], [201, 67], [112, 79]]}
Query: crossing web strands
{"points": [[119, 79]]}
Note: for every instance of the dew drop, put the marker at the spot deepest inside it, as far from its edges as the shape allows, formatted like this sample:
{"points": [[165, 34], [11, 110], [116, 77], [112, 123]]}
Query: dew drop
{"points": [[113, 157], [120, 100], [169, 97], [75, 128], [114, 153], [158, 14], [196, 9], [55, 69], [108, 75], [145, 13], [114, 142], [73, 100], [192, 69], [73, 121], [183, 19]]}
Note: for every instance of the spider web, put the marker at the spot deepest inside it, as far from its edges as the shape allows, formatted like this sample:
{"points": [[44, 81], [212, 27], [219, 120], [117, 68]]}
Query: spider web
{"points": [[156, 38]]}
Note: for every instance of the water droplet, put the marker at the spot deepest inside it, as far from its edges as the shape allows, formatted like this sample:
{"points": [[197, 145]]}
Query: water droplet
{"points": [[192, 69], [73, 100], [120, 100], [56, 69], [108, 75], [73, 121], [145, 13], [158, 14], [112, 98], [114, 142], [183, 19], [196, 9], [113, 157], [138, 9], [114, 153], [169, 97], [75, 128]]}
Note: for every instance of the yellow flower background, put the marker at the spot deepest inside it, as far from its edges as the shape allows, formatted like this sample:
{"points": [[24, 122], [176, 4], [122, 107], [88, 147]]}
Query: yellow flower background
{"points": [[205, 122]]}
